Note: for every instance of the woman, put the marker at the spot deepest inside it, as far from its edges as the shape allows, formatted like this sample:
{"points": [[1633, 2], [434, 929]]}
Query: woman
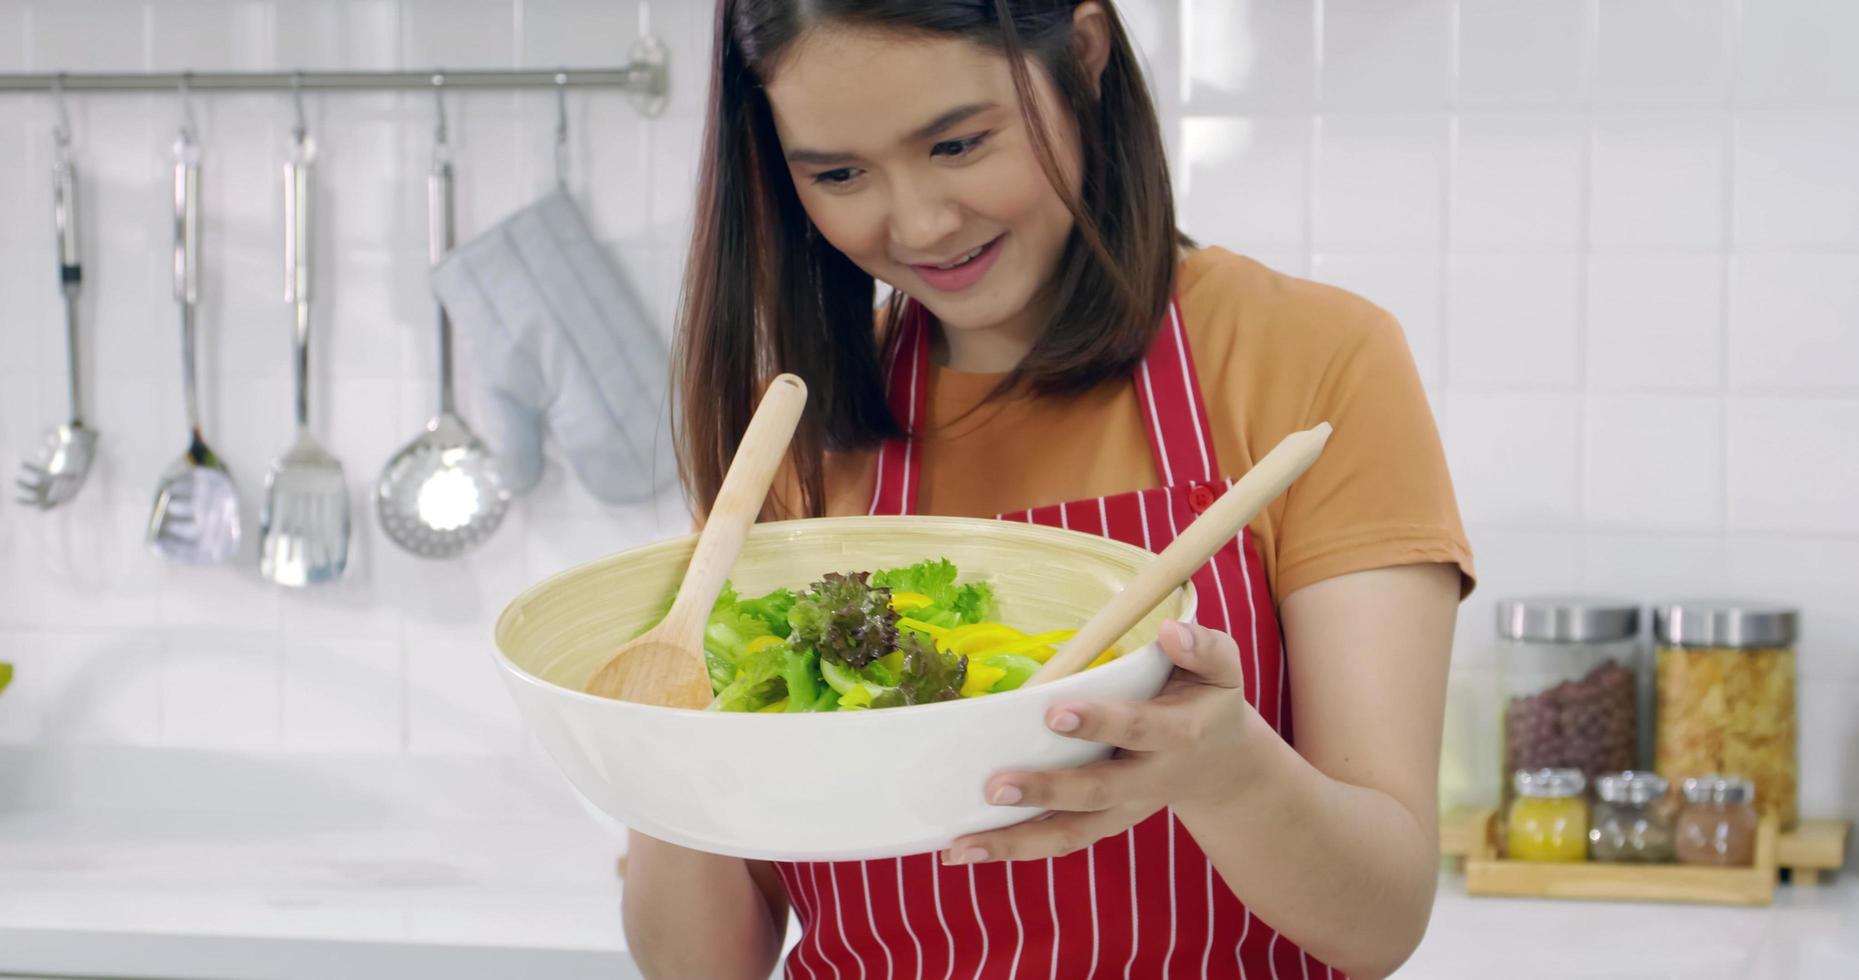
{"points": [[1055, 351]]}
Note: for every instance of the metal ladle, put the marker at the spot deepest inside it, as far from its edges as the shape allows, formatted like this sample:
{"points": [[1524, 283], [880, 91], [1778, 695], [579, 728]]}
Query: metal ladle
{"points": [[440, 495]]}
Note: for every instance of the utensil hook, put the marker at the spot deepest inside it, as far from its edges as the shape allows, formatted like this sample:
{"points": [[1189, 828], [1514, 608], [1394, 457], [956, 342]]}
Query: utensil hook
{"points": [[561, 128], [188, 126], [440, 151], [299, 132], [61, 128]]}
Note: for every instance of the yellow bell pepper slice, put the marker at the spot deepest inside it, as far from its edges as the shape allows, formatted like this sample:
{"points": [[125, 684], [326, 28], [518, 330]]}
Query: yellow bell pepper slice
{"points": [[905, 602], [978, 638], [981, 679], [935, 632], [1040, 646], [761, 643], [1102, 659], [773, 709]]}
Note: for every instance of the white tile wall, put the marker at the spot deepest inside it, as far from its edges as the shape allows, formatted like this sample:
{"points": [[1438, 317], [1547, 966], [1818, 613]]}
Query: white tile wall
{"points": [[1658, 181], [111, 644], [1520, 51], [1620, 235]]}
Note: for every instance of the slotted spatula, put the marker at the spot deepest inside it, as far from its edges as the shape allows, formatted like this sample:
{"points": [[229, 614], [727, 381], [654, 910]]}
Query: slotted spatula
{"points": [[304, 526], [196, 514], [665, 664]]}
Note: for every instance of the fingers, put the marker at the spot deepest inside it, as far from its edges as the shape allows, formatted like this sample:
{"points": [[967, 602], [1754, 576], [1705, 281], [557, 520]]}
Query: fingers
{"points": [[1061, 833], [1210, 655]]}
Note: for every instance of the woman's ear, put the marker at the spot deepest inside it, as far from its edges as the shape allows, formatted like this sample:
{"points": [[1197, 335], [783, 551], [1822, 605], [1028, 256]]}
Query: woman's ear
{"points": [[1091, 37]]}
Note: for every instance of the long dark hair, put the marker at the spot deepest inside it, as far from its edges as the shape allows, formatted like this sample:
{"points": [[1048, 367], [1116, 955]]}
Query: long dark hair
{"points": [[765, 293]]}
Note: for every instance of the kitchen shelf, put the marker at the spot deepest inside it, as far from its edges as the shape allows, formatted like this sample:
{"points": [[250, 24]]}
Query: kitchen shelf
{"points": [[1813, 848]]}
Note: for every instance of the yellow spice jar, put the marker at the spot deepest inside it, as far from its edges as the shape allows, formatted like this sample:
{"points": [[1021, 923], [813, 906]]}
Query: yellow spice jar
{"points": [[1548, 820], [1726, 698]]}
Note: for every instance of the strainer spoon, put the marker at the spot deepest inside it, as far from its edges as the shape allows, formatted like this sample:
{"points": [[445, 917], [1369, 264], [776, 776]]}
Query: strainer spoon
{"points": [[440, 495]]}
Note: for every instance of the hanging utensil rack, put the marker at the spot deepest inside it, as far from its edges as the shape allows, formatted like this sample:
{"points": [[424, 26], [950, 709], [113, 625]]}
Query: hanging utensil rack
{"points": [[645, 78]]}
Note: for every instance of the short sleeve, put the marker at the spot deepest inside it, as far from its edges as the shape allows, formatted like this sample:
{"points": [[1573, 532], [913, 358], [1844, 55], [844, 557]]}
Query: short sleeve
{"points": [[1381, 494]]}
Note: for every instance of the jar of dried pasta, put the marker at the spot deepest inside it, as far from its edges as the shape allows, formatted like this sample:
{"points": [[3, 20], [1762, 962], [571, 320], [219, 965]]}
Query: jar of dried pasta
{"points": [[1725, 681]]}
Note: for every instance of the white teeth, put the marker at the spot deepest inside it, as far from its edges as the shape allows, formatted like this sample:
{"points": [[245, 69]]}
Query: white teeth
{"points": [[964, 260]]}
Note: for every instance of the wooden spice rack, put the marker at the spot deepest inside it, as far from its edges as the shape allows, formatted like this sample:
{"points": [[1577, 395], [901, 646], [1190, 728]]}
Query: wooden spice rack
{"points": [[1813, 848]]}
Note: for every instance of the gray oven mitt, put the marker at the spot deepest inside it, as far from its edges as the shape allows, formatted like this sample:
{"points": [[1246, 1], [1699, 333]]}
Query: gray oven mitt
{"points": [[554, 338]]}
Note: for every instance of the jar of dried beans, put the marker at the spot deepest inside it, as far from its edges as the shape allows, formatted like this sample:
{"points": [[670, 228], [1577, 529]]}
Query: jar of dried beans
{"points": [[1569, 673], [1726, 698]]}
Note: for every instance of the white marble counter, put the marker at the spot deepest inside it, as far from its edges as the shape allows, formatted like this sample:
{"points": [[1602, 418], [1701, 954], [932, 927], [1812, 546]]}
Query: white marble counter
{"points": [[209, 894]]}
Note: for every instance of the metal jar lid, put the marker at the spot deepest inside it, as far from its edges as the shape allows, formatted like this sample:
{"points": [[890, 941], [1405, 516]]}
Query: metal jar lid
{"points": [[1631, 787], [1567, 619], [1725, 624], [1720, 790], [1549, 782]]}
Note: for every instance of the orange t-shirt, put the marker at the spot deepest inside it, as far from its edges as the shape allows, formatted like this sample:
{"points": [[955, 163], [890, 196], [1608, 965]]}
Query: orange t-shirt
{"points": [[1275, 355]]}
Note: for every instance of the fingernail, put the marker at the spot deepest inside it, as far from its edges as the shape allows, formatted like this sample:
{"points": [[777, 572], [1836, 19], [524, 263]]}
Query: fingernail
{"points": [[1184, 636], [1064, 721], [1007, 796], [972, 855]]}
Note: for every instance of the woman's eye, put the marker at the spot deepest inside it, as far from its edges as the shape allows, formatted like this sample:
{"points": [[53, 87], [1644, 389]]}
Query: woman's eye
{"points": [[958, 148], [835, 178]]}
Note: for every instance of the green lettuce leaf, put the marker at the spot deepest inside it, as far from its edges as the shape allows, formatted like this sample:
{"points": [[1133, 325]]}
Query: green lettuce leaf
{"points": [[950, 605]]}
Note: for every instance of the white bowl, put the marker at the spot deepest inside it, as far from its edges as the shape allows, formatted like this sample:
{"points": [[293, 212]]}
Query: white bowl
{"points": [[834, 786]]}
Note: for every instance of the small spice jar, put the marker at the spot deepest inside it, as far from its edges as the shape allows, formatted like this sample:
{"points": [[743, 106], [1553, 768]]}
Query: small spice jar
{"points": [[1718, 823], [1548, 820], [1634, 820], [1726, 698]]}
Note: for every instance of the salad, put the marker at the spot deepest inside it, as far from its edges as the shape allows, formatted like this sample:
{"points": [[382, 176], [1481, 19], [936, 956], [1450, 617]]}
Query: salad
{"points": [[862, 640]]}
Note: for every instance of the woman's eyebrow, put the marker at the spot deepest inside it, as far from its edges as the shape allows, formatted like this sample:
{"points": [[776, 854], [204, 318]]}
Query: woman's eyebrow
{"points": [[950, 118]]}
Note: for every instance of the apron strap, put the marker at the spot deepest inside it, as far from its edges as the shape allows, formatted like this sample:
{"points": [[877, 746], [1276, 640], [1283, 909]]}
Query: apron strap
{"points": [[1167, 389], [1169, 392], [900, 461]]}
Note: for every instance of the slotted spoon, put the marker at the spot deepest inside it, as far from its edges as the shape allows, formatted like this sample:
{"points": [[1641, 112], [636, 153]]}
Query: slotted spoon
{"points": [[440, 495], [304, 526]]}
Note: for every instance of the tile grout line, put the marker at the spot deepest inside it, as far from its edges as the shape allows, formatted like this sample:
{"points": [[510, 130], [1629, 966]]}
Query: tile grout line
{"points": [[1315, 119], [1590, 59], [1449, 172], [1727, 264]]}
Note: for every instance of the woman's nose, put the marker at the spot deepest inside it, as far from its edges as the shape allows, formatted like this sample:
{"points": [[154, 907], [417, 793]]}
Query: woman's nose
{"points": [[922, 218]]}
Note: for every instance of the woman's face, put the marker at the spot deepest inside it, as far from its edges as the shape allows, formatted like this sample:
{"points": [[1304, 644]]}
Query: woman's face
{"points": [[911, 156]]}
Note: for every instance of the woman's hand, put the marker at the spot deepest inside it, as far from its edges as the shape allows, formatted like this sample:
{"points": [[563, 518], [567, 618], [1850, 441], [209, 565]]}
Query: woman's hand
{"points": [[1185, 748]]}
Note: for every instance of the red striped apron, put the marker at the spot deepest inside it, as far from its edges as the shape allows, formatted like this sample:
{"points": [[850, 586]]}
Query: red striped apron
{"points": [[1143, 904]]}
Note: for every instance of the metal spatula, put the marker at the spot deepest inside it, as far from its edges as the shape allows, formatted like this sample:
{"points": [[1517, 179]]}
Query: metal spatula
{"points": [[196, 514], [304, 526]]}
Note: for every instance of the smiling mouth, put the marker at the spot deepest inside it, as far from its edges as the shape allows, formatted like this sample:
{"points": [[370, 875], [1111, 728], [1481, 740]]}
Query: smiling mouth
{"points": [[965, 258]]}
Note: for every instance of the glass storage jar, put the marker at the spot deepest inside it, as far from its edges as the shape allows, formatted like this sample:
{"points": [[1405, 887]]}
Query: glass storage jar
{"points": [[1726, 698], [1569, 671], [1633, 822], [1718, 824], [1548, 820]]}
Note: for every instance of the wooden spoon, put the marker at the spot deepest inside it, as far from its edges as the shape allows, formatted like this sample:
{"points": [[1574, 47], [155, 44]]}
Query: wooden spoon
{"points": [[1188, 552], [665, 664]]}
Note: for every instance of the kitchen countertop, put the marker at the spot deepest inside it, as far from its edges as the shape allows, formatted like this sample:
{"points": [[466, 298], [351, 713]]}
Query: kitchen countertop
{"points": [[154, 894], [163, 894]]}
